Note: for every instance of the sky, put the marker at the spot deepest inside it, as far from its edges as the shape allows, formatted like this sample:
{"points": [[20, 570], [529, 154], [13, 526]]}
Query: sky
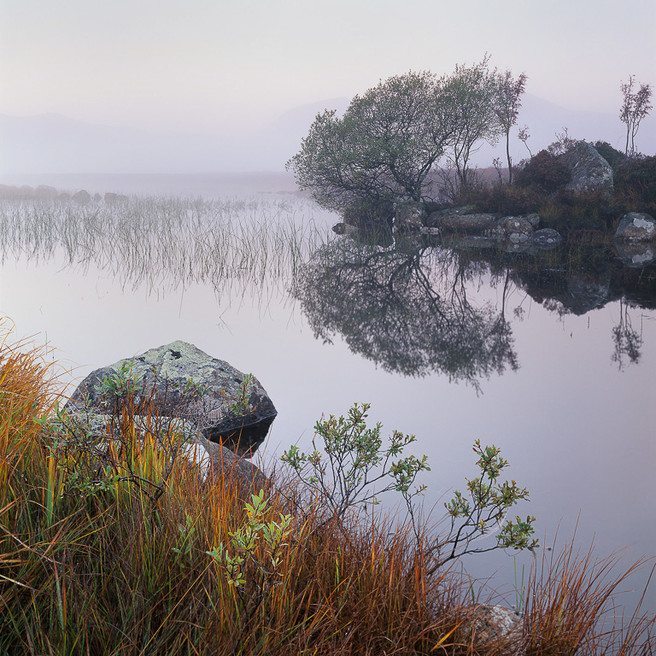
{"points": [[210, 66]]}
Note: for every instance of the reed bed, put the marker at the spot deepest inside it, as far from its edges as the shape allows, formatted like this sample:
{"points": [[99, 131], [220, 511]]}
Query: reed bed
{"points": [[92, 564], [168, 243]]}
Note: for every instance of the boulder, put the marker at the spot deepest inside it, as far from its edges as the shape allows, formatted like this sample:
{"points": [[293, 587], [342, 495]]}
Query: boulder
{"points": [[635, 226], [515, 229], [546, 238], [462, 223], [183, 382], [589, 171]]}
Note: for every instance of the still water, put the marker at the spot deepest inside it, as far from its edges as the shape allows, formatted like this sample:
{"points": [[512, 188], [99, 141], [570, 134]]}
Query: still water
{"points": [[552, 357]]}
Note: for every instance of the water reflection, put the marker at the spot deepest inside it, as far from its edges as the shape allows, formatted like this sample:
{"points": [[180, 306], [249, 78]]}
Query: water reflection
{"points": [[409, 312], [408, 307]]}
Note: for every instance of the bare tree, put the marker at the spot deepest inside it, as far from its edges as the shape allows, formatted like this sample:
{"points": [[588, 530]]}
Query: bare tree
{"points": [[507, 103], [636, 104], [524, 135]]}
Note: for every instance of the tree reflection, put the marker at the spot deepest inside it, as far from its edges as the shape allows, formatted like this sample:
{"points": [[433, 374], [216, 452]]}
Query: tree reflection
{"points": [[407, 311]]}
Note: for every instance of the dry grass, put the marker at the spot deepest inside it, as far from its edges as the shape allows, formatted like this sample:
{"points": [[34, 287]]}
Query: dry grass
{"points": [[92, 564]]}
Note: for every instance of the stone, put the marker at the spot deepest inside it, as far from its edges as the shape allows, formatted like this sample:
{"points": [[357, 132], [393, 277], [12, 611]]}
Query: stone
{"points": [[183, 382], [589, 171], [408, 217], [431, 231], [546, 238], [533, 219], [490, 624], [515, 229], [462, 223], [636, 226]]}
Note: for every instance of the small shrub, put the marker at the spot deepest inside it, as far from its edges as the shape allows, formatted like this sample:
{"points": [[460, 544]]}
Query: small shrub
{"points": [[635, 182], [613, 156], [544, 171]]}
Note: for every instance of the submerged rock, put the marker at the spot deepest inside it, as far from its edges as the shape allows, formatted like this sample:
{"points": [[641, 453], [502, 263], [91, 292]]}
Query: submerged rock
{"points": [[636, 226], [588, 169], [182, 381]]}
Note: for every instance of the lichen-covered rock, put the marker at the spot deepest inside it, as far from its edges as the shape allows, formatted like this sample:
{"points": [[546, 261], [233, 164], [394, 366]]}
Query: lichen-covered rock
{"points": [[182, 381], [589, 171], [546, 238], [636, 226], [514, 229]]}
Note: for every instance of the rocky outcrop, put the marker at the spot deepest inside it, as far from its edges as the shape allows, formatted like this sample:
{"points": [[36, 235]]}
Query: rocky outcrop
{"points": [[635, 226], [223, 404], [589, 171], [461, 223]]}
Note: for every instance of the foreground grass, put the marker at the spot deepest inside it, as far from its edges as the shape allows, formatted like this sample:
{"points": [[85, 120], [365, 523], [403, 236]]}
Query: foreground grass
{"points": [[92, 562]]}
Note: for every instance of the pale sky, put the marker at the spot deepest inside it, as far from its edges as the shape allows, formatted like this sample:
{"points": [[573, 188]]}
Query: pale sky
{"points": [[211, 65]]}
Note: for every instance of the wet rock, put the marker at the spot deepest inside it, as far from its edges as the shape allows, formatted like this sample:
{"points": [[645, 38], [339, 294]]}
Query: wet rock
{"points": [[546, 238], [588, 169], [182, 381], [462, 223], [514, 229], [431, 231], [636, 226]]}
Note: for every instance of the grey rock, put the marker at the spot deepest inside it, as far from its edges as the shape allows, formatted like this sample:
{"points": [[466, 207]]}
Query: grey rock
{"points": [[462, 223], [635, 226], [431, 231], [546, 238], [588, 169], [184, 382], [515, 229], [492, 623], [533, 219]]}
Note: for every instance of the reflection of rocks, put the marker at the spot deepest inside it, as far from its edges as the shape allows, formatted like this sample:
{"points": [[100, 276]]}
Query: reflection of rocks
{"points": [[636, 254], [386, 305], [588, 169], [408, 217], [184, 382], [588, 292], [635, 226], [546, 238]]}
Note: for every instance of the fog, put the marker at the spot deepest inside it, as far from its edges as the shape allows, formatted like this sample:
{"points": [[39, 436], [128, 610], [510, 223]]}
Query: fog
{"points": [[172, 87]]}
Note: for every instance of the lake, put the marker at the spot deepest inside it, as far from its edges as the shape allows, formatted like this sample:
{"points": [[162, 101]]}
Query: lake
{"points": [[550, 356]]}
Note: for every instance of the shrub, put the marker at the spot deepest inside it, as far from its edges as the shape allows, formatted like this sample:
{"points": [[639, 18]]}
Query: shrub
{"points": [[635, 181], [613, 156], [544, 171]]}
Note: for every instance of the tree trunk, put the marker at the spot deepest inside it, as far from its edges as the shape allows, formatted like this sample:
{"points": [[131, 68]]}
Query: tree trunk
{"points": [[508, 157]]}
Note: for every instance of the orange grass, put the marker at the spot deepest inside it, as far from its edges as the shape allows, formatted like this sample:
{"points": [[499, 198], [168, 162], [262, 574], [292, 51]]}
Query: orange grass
{"points": [[93, 563]]}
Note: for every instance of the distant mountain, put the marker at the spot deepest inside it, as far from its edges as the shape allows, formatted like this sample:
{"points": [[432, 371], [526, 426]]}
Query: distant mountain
{"points": [[51, 143]]}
